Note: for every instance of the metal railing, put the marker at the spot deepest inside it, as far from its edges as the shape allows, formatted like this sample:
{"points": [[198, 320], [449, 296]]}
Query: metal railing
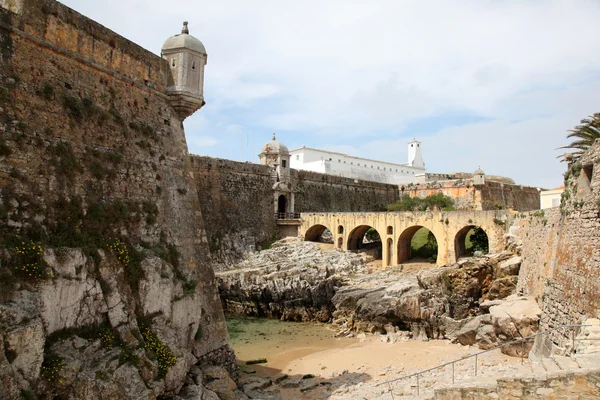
{"points": [[287, 216], [522, 340]]}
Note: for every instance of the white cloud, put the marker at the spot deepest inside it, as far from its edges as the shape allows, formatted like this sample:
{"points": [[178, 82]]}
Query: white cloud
{"points": [[352, 73]]}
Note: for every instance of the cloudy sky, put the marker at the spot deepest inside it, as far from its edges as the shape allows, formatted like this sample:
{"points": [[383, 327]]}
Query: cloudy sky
{"points": [[490, 83]]}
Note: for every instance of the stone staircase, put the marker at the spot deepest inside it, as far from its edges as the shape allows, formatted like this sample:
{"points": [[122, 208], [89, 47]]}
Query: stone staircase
{"points": [[554, 376]]}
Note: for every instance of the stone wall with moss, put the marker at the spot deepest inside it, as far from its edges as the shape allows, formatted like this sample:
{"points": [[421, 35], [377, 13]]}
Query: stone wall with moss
{"points": [[561, 249], [100, 224], [236, 200], [317, 192], [573, 291], [238, 203], [537, 233]]}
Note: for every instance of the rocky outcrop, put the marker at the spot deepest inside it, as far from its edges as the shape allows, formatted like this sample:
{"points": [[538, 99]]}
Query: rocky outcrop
{"points": [[506, 320], [88, 329], [435, 303], [297, 281], [293, 281]]}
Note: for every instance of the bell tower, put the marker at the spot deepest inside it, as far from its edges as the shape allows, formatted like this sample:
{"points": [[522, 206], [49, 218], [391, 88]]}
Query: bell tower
{"points": [[415, 158]]}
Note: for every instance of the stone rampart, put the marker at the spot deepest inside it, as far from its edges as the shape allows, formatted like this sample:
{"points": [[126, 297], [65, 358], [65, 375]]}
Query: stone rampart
{"points": [[538, 238], [561, 250], [91, 152], [317, 192], [238, 206], [59, 29], [236, 200], [489, 196]]}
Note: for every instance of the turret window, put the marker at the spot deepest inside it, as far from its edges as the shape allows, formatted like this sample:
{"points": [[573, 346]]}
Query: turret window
{"points": [[172, 62], [193, 64], [283, 163]]}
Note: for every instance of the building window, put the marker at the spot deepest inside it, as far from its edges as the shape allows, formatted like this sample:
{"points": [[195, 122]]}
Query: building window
{"points": [[340, 229], [297, 156], [193, 64], [412, 145], [173, 62], [351, 163], [329, 159], [390, 230], [283, 163], [377, 167], [339, 160], [371, 166], [344, 162]]}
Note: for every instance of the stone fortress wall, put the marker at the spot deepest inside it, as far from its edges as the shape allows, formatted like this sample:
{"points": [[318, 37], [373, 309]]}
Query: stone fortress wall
{"points": [[89, 145], [561, 249], [491, 195], [237, 203]]}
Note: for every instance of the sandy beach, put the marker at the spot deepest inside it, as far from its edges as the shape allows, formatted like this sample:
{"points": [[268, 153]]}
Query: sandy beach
{"points": [[354, 367]]}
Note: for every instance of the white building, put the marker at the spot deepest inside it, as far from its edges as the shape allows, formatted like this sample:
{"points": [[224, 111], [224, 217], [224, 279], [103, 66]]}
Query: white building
{"points": [[328, 162], [551, 198]]}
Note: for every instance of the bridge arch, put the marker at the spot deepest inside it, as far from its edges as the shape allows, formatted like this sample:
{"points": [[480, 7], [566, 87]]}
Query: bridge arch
{"points": [[356, 240], [313, 234], [404, 252], [480, 241], [357, 236]]}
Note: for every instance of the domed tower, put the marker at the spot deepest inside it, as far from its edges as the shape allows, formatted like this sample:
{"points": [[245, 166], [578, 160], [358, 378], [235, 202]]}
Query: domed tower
{"points": [[187, 57], [478, 177], [276, 154]]}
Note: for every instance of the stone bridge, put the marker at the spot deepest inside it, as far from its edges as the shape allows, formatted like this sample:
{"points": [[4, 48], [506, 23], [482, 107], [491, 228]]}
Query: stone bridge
{"points": [[396, 230]]}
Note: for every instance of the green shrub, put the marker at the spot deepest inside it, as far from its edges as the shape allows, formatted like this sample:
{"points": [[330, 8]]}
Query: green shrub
{"points": [[28, 395], [479, 241], [75, 110], [128, 356], [102, 375], [52, 368], [46, 91], [163, 354], [424, 244], [407, 203], [116, 116], [29, 263], [576, 168], [66, 162], [372, 235]]}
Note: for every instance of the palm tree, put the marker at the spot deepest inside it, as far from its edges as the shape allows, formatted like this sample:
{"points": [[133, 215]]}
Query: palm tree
{"points": [[586, 133]]}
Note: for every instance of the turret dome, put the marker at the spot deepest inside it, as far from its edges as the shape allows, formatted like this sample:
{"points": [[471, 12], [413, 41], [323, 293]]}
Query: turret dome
{"points": [[186, 58], [274, 147], [478, 171], [184, 41]]}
